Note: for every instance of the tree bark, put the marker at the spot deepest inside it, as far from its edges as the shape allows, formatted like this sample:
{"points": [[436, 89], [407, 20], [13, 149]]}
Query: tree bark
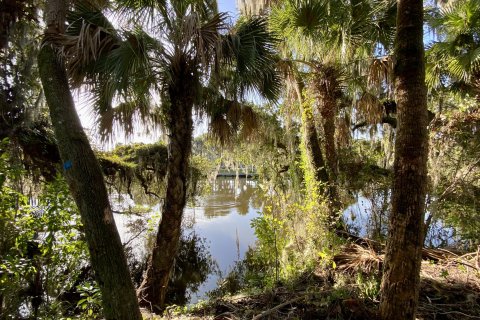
{"points": [[153, 290], [85, 181], [311, 140], [401, 278], [327, 87]]}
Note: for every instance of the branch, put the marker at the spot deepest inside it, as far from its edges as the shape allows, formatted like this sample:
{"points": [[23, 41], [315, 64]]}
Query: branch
{"points": [[280, 306], [385, 119]]}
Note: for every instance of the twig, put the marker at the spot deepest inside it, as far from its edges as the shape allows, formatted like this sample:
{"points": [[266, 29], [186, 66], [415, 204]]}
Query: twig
{"points": [[460, 313], [464, 263], [225, 315], [269, 311]]}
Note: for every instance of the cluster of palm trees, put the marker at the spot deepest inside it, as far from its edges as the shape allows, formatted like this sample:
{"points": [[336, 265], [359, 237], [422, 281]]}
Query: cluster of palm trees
{"points": [[189, 58], [186, 56]]}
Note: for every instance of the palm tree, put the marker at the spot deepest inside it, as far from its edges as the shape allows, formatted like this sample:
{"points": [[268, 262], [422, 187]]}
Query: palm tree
{"points": [[84, 177], [338, 35], [454, 59], [192, 61], [401, 277]]}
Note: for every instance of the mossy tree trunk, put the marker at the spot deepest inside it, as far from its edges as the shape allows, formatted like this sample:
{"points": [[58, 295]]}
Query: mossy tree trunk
{"points": [[311, 141], [328, 91], [153, 290], [85, 180], [401, 277]]}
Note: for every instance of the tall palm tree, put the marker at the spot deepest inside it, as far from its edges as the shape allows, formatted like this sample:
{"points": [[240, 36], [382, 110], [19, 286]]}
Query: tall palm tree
{"points": [[192, 61], [338, 35], [401, 277], [84, 177]]}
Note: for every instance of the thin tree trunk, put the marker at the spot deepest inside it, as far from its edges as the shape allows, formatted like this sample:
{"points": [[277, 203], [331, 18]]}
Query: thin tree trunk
{"points": [[85, 181], [153, 290], [401, 277]]}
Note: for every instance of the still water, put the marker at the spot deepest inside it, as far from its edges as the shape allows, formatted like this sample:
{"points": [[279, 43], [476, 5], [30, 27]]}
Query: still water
{"points": [[217, 226], [223, 219]]}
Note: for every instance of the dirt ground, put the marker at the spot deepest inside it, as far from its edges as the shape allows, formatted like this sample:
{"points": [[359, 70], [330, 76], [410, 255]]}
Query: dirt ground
{"points": [[450, 289]]}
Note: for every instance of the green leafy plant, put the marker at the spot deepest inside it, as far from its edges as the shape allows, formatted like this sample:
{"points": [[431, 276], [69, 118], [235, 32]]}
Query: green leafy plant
{"points": [[91, 301]]}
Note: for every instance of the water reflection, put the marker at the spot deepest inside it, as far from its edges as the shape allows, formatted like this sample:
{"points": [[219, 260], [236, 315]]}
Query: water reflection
{"points": [[217, 233], [193, 265], [223, 218], [368, 218], [228, 194]]}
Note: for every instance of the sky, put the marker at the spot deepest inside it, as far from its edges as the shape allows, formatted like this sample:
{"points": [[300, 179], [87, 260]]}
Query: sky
{"points": [[229, 6]]}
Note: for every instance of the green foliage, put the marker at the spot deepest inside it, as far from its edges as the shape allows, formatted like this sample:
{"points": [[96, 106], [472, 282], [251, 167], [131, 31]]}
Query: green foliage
{"points": [[454, 60], [41, 245], [368, 286], [270, 241], [455, 174], [90, 302]]}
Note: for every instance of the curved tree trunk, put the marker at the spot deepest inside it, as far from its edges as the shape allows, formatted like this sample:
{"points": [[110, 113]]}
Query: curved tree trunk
{"points": [[401, 278], [85, 181], [153, 290]]}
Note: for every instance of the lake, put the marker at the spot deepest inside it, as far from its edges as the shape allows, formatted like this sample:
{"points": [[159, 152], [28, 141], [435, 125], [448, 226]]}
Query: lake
{"points": [[221, 218]]}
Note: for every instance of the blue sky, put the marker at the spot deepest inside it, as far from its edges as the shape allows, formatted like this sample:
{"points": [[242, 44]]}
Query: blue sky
{"points": [[229, 6]]}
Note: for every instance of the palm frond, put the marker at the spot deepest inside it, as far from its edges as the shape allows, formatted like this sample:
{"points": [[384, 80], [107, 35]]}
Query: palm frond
{"points": [[89, 36], [140, 10], [116, 66], [456, 55], [250, 122], [220, 130], [380, 71], [370, 108], [250, 50]]}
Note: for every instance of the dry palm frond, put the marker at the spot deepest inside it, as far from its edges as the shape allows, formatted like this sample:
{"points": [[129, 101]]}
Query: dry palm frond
{"points": [[380, 72], [370, 108], [234, 114], [220, 130], [250, 122], [355, 257]]}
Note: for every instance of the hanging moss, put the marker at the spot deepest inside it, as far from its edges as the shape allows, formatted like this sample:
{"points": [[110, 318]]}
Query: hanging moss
{"points": [[135, 164]]}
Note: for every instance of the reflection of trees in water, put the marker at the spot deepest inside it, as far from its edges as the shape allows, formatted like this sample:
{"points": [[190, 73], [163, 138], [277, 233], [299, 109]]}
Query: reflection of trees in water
{"points": [[192, 267], [228, 194], [369, 216]]}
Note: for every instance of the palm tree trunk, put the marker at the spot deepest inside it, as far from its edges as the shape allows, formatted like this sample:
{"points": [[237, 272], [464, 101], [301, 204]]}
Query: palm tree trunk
{"points": [[401, 277], [313, 149], [328, 113], [153, 290], [85, 181], [311, 141]]}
